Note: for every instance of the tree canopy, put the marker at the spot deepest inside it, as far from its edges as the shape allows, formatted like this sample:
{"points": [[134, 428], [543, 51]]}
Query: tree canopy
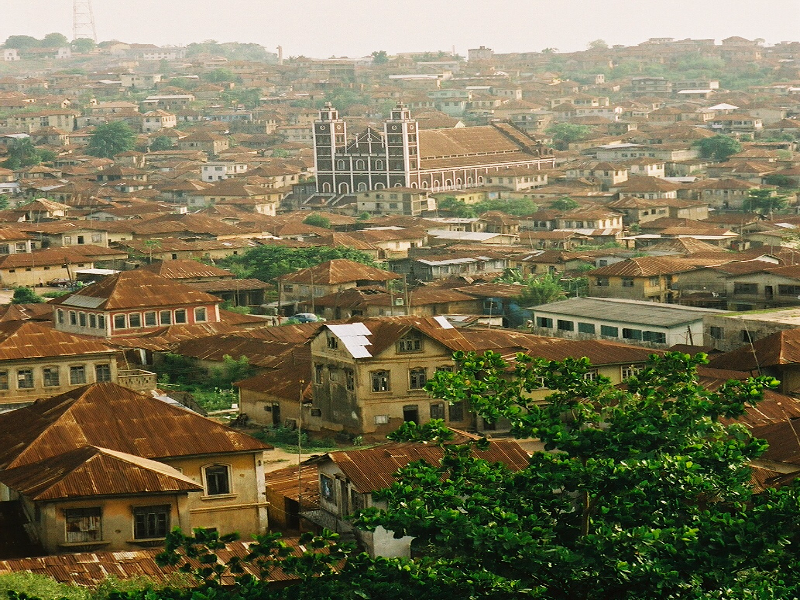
{"points": [[317, 220], [25, 295], [720, 147], [565, 133], [765, 201], [270, 262], [110, 139]]}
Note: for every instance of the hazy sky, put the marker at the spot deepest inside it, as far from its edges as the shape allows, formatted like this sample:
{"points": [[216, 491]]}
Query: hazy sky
{"points": [[357, 27]]}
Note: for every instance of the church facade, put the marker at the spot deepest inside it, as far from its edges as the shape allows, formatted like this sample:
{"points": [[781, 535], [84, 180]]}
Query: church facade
{"points": [[404, 156]]}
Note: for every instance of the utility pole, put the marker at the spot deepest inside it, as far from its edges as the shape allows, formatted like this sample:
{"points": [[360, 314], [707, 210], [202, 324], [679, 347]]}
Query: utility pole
{"points": [[83, 20]]}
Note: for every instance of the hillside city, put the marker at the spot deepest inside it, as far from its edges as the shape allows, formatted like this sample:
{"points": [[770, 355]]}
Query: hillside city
{"points": [[230, 274]]}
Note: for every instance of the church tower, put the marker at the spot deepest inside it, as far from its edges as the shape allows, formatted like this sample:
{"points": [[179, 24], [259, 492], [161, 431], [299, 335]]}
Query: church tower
{"points": [[402, 156], [330, 140]]}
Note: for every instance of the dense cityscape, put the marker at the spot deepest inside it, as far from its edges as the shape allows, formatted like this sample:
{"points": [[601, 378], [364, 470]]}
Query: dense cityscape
{"points": [[414, 325]]}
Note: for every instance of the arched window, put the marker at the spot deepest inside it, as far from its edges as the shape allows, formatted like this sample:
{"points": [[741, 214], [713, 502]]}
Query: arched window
{"points": [[344, 188], [326, 188], [379, 164], [425, 184], [379, 186], [340, 165], [362, 187], [359, 165], [413, 184]]}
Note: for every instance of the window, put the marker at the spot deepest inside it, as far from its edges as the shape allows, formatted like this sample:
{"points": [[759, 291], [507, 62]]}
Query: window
{"points": [[437, 411], [789, 290], [716, 333], [457, 411], [380, 381], [150, 319], [631, 334], [747, 337], [217, 480], [93, 321], [657, 337], [165, 316], [82, 319], [73, 318], [544, 322], [318, 373], [135, 319], [350, 379], [591, 375], [3, 380], [101, 321], [200, 314], [119, 321], [97, 238], [25, 379], [586, 327], [326, 488], [180, 316], [381, 419], [411, 342], [60, 316], [102, 372], [332, 342], [655, 281], [150, 522], [609, 331], [77, 375], [627, 282], [601, 281], [745, 288], [630, 371], [83, 524], [418, 377], [50, 376], [565, 325]]}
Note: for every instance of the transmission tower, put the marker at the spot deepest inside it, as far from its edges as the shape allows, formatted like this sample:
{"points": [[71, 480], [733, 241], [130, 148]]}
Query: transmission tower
{"points": [[83, 20]]}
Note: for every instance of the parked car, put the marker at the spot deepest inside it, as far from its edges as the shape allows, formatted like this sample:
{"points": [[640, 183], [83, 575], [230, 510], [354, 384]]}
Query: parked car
{"points": [[306, 318], [62, 283]]}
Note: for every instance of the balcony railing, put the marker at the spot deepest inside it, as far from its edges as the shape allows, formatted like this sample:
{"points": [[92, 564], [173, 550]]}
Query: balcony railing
{"points": [[137, 379]]}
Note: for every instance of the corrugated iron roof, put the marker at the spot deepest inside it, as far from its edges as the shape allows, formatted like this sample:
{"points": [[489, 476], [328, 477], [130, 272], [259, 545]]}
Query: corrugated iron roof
{"points": [[338, 270], [138, 289], [373, 469], [94, 471], [93, 568], [114, 417], [21, 340], [185, 269]]}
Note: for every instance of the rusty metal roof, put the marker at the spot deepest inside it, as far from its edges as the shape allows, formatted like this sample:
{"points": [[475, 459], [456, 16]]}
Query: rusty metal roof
{"points": [[374, 468], [780, 348], [21, 340], [338, 270], [94, 471], [139, 289], [185, 269], [93, 568], [285, 383], [284, 481], [114, 417]]}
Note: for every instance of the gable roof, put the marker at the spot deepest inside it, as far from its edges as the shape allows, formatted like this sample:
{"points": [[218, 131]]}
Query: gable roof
{"points": [[24, 340], [185, 269], [135, 289], [338, 270], [95, 471], [373, 469], [113, 417]]}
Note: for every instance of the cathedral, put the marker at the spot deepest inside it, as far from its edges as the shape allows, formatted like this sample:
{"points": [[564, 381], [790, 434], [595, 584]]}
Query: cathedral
{"points": [[403, 156]]}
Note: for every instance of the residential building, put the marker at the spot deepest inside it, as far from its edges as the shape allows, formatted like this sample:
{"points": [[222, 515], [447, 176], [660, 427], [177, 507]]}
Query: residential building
{"points": [[395, 201], [330, 277], [152, 467]]}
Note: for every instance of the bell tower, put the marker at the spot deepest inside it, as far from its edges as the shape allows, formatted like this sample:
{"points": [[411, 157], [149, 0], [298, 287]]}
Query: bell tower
{"points": [[402, 155], [330, 140]]}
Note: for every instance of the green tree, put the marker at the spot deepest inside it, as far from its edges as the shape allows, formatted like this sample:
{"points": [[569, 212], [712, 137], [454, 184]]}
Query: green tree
{"points": [[379, 57], [83, 45], [720, 147], [564, 203], [456, 208], [21, 42], [639, 492], [434, 430], [542, 289], [597, 45], [270, 262], [317, 220], [161, 142], [564, 134], [25, 295], [764, 201], [110, 139], [54, 40], [4, 202]]}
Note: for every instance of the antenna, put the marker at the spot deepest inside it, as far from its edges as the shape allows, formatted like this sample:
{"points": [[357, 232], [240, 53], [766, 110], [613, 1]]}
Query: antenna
{"points": [[83, 20]]}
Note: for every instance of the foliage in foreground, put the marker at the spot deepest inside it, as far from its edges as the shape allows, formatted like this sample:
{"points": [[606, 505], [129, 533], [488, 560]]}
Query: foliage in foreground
{"points": [[642, 492]]}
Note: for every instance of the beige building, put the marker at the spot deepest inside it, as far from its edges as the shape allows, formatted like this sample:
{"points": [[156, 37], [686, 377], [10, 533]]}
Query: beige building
{"points": [[172, 468]]}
